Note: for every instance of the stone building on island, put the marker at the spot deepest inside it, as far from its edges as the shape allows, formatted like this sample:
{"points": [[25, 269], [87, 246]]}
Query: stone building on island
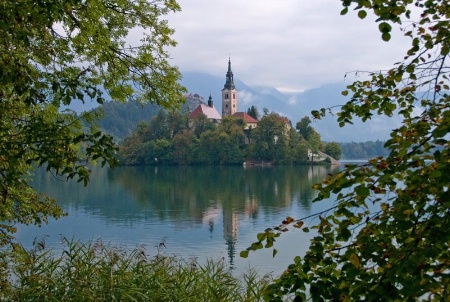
{"points": [[229, 104], [208, 110]]}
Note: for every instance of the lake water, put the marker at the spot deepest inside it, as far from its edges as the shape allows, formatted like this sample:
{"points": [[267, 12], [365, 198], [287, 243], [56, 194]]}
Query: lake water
{"points": [[198, 212]]}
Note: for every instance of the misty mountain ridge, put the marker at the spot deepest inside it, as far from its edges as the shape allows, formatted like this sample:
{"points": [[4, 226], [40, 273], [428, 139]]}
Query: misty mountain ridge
{"points": [[295, 106]]}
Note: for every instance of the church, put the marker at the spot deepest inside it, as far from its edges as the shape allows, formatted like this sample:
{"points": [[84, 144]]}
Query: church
{"points": [[229, 104]]}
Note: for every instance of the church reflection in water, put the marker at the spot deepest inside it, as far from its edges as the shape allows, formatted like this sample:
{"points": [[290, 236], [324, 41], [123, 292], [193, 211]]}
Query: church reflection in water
{"points": [[247, 205], [196, 207]]}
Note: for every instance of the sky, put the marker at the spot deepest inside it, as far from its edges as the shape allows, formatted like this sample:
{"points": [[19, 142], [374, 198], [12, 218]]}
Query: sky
{"points": [[292, 45]]}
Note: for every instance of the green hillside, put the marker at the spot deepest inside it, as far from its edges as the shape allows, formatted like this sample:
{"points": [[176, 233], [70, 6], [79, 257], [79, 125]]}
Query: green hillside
{"points": [[121, 119]]}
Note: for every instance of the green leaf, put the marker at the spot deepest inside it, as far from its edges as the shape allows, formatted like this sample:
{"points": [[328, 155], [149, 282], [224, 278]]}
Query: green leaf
{"points": [[344, 11], [316, 114], [261, 236], [274, 252], [354, 259], [46, 42], [384, 27], [386, 36], [243, 254], [269, 244], [362, 14]]}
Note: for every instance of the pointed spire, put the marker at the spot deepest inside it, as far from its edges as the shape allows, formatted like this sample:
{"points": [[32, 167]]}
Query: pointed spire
{"points": [[229, 84]]}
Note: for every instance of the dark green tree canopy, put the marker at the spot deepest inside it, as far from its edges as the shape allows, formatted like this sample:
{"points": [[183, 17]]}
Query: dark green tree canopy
{"points": [[385, 237], [253, 112], [201, 141], [304, 127], [53, 53], [333, 149]]}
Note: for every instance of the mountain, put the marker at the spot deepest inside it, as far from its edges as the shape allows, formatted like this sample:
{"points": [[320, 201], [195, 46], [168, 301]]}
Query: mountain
{"points": [[205, 85], [330, 96], [292, 105], [295, 106]]}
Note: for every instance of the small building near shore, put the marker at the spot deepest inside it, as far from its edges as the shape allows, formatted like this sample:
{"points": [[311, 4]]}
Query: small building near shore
{"points": [[250, 122]]}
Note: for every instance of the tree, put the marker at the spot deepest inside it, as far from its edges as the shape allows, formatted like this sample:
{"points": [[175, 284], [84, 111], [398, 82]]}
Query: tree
{"points": [[231, 140], [386, 236], [183, 143], [208, 147], [177, 123], [333, 149], [314, 140], [158, 127], [264, 137], [253, 112], [202, 124], [54, 53], [300, 152], [304, 127]]}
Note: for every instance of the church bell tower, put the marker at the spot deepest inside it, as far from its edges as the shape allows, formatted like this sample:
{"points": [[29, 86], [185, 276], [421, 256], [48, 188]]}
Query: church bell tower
{"points": [[229, 94]]}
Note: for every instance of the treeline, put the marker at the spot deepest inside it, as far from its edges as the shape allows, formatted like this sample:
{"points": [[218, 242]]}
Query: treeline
{"points": [[173, 139], [121, 119], [367, 149]]}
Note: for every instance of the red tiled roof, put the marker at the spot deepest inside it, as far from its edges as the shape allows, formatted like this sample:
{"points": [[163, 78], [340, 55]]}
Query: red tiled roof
{"points": [[247, 118], [210, 112]]}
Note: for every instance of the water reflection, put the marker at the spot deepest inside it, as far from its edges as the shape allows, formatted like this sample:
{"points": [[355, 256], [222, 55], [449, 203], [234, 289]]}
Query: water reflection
{"points": [[193, 205], [189, 192]]}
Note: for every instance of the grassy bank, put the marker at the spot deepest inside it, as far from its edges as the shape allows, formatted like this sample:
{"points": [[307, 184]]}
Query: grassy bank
{"points": [[95, 272]]}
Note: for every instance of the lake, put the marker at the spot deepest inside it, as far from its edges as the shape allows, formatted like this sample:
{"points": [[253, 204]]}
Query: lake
{"points": [[197, 212]]}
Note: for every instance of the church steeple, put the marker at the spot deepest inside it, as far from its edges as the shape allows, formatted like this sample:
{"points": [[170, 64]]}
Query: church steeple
{"points": [[229, 94], [229, 84], [210, 101]]}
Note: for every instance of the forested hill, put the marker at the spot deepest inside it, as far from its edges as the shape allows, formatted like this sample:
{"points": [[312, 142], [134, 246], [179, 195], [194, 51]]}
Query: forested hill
{"points": [[121, 119], [359, 150]]}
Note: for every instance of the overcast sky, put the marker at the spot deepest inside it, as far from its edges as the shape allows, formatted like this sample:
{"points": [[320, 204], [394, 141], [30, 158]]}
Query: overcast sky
{"points": [[291, 45]]}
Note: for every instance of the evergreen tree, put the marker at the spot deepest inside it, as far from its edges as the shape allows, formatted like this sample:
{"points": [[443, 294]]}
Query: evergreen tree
{"points": [[253, 112]]}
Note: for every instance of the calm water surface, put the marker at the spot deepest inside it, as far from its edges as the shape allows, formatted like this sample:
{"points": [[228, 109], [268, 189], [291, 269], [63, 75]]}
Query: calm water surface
{"points": [[198, 212]]}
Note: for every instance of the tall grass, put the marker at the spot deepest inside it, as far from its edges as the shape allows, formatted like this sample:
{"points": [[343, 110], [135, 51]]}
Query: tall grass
{"points": [[96, 272]]}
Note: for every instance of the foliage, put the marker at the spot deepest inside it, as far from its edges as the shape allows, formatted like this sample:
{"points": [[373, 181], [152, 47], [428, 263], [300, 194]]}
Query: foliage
{"points": [[96, 272], [120, 119], [202, 124], [333, 149], [385, 237], [310, 134], [54, 53], [304, 127], [269, 137], [173, 140], [182, 143], [314, 140], [253, 112]]}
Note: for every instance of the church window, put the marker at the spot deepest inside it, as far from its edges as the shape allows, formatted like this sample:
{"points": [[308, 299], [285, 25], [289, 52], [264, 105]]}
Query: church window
{"points": [[226, 95], [234, 95], [226, 106], [234, 106]]}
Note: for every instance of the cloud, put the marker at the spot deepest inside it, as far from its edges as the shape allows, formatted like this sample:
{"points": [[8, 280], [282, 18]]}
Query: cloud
{"points": [[246, 98], [290, 44]]}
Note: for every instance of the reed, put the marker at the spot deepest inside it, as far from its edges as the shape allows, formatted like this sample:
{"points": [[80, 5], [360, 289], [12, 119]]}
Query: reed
{"points": [[94, 271]]}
